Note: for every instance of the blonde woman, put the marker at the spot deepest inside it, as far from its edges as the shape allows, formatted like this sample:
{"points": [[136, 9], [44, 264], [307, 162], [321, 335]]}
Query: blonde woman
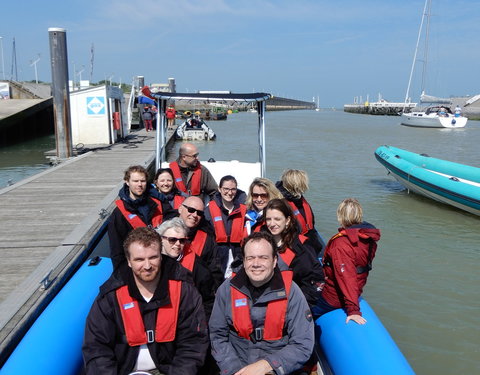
{"points": [[347, 262], [293, 185], [260, 192]]}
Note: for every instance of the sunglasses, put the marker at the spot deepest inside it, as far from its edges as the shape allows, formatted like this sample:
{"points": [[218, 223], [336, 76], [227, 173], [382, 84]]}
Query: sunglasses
{"points": [[261, 195], [191, 210], [173, 240]]}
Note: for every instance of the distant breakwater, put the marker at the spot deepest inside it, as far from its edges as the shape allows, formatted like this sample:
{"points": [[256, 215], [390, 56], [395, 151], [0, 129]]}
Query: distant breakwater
{"points": [[275, 103]]}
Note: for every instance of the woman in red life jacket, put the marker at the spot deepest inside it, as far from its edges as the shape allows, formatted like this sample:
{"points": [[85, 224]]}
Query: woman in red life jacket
{"points": [[293, 249], [175, 245], [260, 192], [347, 262], [293, 185], [164, 185], [226, 213]]}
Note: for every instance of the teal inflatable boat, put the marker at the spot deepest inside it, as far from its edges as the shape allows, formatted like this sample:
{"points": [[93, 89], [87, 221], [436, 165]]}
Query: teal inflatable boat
{"points": [[447, 182]]}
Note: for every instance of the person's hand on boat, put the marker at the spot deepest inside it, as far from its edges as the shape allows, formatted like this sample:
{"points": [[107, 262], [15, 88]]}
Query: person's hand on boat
{"points": [[356, 318], [260, 367]]}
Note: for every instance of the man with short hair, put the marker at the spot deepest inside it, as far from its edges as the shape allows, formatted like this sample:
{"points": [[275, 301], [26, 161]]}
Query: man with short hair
{"points": [[148, 319], [261, 322], [190, 176], [201, 256], [135, 208]]}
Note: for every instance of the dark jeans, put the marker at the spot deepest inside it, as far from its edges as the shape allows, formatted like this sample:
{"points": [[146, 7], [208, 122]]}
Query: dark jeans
{"points": [[321, 307]]}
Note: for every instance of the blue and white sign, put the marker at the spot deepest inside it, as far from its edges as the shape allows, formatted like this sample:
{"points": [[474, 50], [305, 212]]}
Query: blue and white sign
{"points": [[95, 105]]}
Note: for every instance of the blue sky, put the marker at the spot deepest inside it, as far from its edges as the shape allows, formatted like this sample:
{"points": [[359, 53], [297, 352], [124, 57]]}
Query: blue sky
{"points": [[337, 50]]}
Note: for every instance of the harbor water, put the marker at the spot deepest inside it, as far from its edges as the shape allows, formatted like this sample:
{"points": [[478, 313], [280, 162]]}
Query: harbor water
{"points": [[425, 278], [25, 159]]}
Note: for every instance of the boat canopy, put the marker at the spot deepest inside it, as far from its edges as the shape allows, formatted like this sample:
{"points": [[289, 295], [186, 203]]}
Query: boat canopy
{"points": [[210, 97], [207, 97]]}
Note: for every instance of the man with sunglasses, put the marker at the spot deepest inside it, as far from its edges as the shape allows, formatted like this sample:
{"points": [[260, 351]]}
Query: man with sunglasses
{"points": [[190, 176], [201, 241], [150, 319]]}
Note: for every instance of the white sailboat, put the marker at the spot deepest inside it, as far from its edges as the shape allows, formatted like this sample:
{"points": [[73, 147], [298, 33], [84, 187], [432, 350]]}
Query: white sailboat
{"points": [[434, 116], [317, 108]]}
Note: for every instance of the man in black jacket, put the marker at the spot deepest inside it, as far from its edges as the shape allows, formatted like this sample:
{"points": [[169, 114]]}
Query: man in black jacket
{"points": [[207, 274], [135, 208], [147, 319]]}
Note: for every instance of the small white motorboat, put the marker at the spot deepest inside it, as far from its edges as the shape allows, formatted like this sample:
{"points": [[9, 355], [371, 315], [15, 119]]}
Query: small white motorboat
{"points": [[194, 129]]}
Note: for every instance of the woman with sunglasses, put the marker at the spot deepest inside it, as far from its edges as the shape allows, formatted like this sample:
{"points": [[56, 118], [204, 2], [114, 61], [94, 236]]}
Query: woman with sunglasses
{"points": [[175, 245], [260, 192], [164, 188], [294, 250], [293, 184], [226, 213]]}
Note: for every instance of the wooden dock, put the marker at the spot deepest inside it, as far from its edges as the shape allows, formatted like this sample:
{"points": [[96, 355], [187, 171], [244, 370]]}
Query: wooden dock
{"points": [[50, 220]]}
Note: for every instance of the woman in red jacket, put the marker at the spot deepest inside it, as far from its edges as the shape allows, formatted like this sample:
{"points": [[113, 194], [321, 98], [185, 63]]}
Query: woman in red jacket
{"points": [[347, 262]]}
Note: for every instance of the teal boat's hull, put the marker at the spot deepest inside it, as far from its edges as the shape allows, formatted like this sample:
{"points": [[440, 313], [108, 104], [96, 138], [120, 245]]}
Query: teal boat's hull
{"points": [[455, 184]]}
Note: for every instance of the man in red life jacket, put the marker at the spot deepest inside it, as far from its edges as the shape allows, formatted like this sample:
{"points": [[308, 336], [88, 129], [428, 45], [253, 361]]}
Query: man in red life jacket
{"points": [[135, 208], [201, 241], [190, 176], [147, 319], [261, 322]]}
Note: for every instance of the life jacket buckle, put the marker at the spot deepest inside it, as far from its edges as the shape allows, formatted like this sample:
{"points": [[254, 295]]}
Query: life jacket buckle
{"points": [[256, 335], [150, 336]]}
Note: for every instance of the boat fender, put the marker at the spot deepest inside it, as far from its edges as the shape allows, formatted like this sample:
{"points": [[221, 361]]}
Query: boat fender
{"points": [[454, 121]]}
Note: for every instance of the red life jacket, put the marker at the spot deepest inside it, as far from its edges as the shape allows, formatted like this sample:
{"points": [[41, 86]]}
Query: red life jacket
{"points": [[238, 232], [274, 316], [192, 249], [135, 221], [167, 317], [195, 188], [177, 201], [289, 254], [306, 222], [170, 113]]}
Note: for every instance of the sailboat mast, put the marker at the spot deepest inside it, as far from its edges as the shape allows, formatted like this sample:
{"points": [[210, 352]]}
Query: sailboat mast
{"points": [[415, 54], [425, 51]]}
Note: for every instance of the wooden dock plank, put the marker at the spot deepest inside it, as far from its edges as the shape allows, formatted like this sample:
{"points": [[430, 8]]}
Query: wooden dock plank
{"points": [[39, 214]]}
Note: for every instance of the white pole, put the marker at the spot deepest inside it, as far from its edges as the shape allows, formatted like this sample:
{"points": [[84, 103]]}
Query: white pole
{"points": [[3, 62]]}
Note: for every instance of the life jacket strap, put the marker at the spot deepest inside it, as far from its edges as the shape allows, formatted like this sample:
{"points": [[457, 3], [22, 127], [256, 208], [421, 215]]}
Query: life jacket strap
{"points": [[256, 335], [150, 336]]}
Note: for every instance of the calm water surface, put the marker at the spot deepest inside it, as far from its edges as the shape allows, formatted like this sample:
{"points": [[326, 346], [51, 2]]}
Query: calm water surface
{"points": [[23, 160], [425, 282]]}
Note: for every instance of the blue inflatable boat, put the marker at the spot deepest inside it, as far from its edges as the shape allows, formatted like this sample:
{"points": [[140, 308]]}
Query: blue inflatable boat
{"points": [[53, 345], [359, 349], [447, 182]]}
